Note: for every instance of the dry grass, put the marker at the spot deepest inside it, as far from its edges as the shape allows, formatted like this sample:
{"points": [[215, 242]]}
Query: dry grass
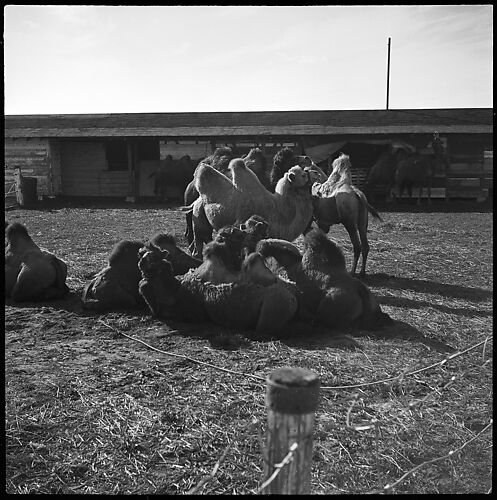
{"points": [[91, 411]]}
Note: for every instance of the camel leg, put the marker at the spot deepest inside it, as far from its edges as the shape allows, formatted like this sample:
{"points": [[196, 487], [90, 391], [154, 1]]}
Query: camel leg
{"points": [[363, 235], [189, 228], [354, 238]]}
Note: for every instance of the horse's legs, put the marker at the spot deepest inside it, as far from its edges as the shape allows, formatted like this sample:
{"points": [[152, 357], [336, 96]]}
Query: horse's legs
{"points": [[354, 238]]}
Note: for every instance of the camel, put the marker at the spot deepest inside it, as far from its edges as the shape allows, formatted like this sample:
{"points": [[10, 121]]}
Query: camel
{"points": [[329, 295], [181, 261], [242, 305], [338, 201], [222, 202], [416, 170], [383, 171], [116, 285], [31, 273], [219, 160], [223, 257]]}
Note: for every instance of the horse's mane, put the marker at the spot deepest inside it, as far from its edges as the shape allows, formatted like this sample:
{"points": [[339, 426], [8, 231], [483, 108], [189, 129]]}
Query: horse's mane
{"points": [[341, 175]]}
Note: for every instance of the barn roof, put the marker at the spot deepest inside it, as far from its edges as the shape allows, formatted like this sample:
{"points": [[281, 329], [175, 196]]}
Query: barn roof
{"points": [[457, 120]]}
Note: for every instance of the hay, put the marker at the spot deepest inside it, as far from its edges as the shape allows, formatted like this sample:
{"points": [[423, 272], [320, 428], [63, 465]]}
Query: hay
{"points": [[89, 411]]}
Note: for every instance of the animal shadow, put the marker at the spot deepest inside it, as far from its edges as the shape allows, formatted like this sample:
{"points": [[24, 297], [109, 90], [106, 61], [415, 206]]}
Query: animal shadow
{"points": [[404, 331], [426, 286]]}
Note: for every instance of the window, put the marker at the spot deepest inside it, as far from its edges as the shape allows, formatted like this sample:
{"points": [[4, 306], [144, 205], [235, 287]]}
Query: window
{"points": [[117, 155]]}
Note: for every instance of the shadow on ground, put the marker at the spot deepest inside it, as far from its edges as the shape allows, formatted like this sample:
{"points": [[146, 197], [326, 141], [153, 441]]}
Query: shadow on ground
{"points": [[426, 286]]}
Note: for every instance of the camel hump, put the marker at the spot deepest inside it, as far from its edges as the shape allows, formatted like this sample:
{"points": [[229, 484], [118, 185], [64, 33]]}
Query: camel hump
{"points": [[208, 181], [286, 253], [245, 179]]}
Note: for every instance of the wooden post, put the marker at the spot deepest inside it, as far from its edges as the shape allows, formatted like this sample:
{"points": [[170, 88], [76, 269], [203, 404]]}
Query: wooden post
{"points": [[19, 186], [291, 398]]}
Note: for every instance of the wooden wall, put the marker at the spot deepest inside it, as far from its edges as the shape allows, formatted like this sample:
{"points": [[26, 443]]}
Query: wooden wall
{"points": [[32, 156], [470, 173], [84, 171]]}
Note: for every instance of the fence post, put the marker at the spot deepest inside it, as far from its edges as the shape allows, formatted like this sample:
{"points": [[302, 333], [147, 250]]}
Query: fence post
{"points": [[291, 399]]}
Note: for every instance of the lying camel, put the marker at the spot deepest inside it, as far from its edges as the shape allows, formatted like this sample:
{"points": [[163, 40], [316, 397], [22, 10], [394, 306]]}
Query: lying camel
{"points": [[241, 305], [329, 295], [180, 261], [116, 285], [31, 273], [222, 202], [223, 257]]}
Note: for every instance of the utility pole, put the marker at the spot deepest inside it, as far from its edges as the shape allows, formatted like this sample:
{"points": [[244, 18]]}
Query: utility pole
{"points": [[388, 71]]}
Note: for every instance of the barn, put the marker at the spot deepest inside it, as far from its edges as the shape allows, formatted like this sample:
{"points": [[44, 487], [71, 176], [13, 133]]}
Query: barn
{"points": [[116, 155]]}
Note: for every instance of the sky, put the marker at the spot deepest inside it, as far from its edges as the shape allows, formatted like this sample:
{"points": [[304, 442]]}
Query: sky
{"points": [[143, 59]]}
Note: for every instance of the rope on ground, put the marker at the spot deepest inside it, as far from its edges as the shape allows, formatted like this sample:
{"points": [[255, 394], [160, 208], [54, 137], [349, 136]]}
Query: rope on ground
{"points": [[329, 388], [388, 487], [414, 372], [193, 360]]}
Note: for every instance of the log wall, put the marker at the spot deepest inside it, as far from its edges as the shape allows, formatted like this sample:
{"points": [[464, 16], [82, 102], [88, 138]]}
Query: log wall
{"points": [[32, 156]]}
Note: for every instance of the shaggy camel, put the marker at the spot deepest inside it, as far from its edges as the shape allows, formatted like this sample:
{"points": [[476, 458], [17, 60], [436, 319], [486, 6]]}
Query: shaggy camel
{"points": [[219, 160], [222, 202], [31, 273], [223, 257], [116, 285], [338, 201], [181, 261], [328, 294], [242, 305]]}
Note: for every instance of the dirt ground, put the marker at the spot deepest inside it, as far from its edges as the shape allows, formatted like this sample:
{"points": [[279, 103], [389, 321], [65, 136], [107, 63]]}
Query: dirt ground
{"points": [[91, 409]]}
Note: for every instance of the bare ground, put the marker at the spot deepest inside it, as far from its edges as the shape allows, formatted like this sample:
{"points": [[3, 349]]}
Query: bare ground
{"points": [[90, 410]]}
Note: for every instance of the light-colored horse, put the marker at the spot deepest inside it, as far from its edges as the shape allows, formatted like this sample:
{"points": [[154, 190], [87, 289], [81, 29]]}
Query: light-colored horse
{"points": [[338, 201]]}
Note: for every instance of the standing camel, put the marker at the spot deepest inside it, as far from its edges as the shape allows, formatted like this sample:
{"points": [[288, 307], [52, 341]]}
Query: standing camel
{"points": [[414, 171], [338, 201]]}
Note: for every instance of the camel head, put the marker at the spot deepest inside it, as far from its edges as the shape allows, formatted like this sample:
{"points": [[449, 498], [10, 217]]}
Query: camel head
{"points": [[180, 260], [157, 272], [17, 236], [297, 176], [256, 228], [152, 258], [227, 247]]}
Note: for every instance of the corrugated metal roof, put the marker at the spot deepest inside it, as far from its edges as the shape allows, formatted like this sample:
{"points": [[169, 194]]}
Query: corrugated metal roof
{"points": [[464, 120]]}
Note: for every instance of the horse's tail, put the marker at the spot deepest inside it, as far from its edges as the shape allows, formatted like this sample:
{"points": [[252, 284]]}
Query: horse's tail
{"points": [[364, 200]]}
